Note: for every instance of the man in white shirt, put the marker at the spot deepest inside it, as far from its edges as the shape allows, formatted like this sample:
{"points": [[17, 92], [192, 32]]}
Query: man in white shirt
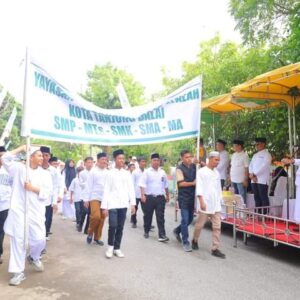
{"points": [[38, 189], [259, 173], [84, 209], [224, 161], [136, 175], [93, 195], [239, 169], [118, 193], [209, 194], [51, 203], [154, 195], [5, 194], [296, 162]]}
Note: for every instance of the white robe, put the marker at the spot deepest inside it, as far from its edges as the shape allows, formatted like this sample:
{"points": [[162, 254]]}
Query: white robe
{"points": [[297, 203], [209, 186], [14, 225]]}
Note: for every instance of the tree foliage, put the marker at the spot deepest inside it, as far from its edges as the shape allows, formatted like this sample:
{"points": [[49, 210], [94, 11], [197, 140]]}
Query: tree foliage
{"points": [[102, 83]]}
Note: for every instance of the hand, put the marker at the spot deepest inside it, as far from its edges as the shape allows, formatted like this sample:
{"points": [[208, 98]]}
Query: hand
{"points": [[55, 208], [59, 199], [86, 204], [202, 205], [71, 200], [29, 187], [143, 199], [245, 183], [202, 164], [132, 209], [254, 179], [167, 197], [105, 212]]}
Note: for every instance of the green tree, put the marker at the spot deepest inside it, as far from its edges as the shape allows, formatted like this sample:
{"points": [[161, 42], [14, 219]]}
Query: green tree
{"points": [[102, 83]]}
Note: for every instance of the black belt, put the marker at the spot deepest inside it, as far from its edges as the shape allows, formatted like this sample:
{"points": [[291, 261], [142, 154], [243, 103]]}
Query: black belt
{"points": [[155, 196]]}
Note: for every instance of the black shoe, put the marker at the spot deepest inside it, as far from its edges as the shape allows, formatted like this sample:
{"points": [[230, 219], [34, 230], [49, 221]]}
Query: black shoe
{"points": [[133, 225], [218, 253], [146, 235], [79, 228], [44, 251], [50, 232], [163, 238], [89, 239], [195, 245], [177, 235], [100, 243]]}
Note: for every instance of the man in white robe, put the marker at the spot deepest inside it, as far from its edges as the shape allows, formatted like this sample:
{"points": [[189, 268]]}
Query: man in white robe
{"points": [[209, 194], [38, 188], [296, 162]]}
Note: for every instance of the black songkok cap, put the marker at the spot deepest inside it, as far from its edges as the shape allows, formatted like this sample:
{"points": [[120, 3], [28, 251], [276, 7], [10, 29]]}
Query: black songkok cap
{"points": [[261, 140], [118, 152], [238, 142], [52, 159], [221, 142], [154, 155], [2, 149], [45, 149], [101, 154]]}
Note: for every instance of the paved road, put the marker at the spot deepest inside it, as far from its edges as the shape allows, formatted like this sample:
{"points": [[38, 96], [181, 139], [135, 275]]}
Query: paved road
{"points": [[153, 270]]}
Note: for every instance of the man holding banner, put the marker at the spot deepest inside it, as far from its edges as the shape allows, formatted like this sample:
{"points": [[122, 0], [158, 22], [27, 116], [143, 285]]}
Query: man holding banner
{"points": [[22, 222]]}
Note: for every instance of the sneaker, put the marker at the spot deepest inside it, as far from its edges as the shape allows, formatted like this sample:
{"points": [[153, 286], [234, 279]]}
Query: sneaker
{"points": [[48, 238], [218, 253], [133, 225], [50, 232], [163, 238], [44, 251], [187, 247], [146, 235], [89, 239], [37, 264], [79, 228], [195, 245], [17, 278], [109, 252], [177, 235], [119, 253], [100, 243]]}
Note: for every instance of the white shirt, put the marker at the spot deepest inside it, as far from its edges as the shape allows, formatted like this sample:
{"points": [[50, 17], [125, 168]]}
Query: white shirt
{"points": [[5, 189], [83, 177], [260, 166], [223, 164], [75, 188], [136, 176], [209, 186], [14, 225], [56, 185], [239, 162], [94, 187], [118, 190], [154, 181]]}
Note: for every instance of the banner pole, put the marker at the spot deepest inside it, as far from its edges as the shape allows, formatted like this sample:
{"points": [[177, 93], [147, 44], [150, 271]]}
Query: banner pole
{"points": [[26, 133], [199, 123]]}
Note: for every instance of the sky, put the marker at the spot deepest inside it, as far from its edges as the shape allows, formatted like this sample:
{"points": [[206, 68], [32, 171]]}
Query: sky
{"points": [[68, 38]]}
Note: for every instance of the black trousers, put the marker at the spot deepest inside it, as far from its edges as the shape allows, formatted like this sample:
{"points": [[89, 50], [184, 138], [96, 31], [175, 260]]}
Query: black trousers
{"points": [[78, 211], [116, 222], [260, 195], [157, 204], [3, 216], [49, 216], [133, 217], [85, 213]]}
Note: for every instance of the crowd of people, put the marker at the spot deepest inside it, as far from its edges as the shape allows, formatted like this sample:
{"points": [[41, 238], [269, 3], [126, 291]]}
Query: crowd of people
{"points": [[100, 190]]}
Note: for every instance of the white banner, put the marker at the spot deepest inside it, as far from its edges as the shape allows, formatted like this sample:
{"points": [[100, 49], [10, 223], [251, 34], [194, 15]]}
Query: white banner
{"points": [[8, 126], [123, 96], [54, 113]]}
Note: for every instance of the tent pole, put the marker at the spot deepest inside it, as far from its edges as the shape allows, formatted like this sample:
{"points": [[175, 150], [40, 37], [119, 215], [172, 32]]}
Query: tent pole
{"points": [[290, 130]]}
